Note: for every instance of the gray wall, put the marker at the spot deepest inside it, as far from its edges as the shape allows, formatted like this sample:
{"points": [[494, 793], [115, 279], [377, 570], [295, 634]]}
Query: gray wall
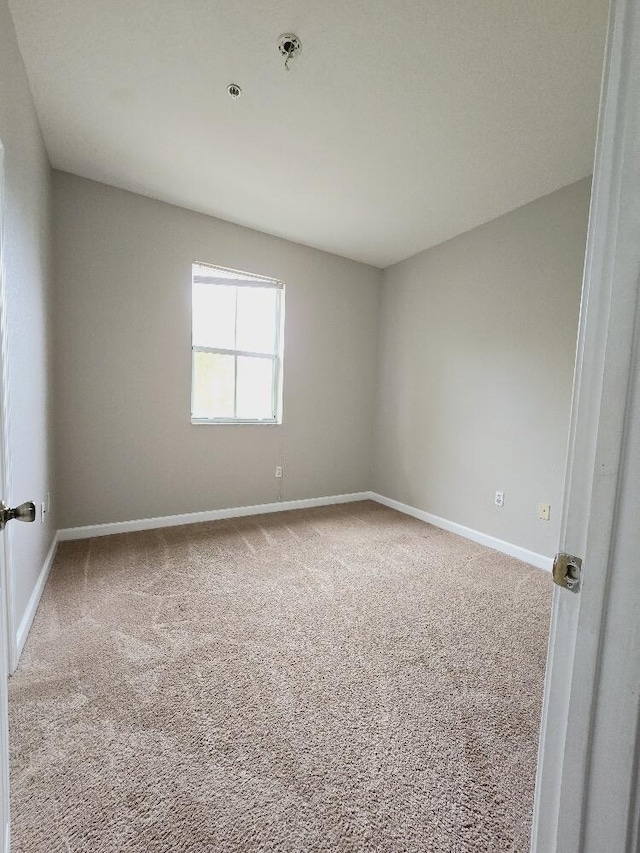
{"points": [[477, 348], [475, 341], [27, 274], [126, 448]]}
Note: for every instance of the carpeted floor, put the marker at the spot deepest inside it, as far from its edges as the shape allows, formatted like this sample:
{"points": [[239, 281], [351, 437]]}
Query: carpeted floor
{"points": [[337, 679]]}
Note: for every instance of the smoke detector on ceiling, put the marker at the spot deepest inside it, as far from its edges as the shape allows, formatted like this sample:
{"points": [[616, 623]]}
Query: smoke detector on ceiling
{"points": [[289, 46]]}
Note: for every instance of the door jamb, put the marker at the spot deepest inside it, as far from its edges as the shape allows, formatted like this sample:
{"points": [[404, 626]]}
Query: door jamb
{"points": [[582, 710], [6, 581], [7, 633]]}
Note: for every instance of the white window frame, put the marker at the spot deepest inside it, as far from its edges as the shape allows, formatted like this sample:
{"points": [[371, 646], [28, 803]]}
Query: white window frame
{"points": [[235, 279]]}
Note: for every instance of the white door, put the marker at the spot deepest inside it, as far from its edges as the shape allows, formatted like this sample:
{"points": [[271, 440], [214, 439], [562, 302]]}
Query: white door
{"points": [[26, 512], [587, 796], [4, 586]]}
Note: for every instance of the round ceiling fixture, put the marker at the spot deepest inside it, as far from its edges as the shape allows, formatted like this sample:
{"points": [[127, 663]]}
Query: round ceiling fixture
{"points": [[234, 90], [289, 46]]}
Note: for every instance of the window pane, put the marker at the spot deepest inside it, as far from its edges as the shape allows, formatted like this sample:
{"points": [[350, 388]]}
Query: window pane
{"points": [[255, 385], [214, 316], [256, 319], [213, 377]]}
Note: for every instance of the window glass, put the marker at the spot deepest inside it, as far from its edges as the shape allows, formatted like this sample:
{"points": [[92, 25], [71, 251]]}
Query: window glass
{"points": [[256, 327], [213, 385], [214, 310], [254, 388]]}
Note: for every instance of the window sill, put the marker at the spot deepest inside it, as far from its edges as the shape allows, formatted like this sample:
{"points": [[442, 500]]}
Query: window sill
{"points": [[233, 421]]}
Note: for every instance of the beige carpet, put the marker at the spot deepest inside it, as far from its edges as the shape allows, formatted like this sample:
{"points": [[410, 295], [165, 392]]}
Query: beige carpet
{"points": [[337, 679]]}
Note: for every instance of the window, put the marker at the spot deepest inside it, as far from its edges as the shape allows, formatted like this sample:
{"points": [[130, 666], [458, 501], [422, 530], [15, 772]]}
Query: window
{"points": [[236, 346]]}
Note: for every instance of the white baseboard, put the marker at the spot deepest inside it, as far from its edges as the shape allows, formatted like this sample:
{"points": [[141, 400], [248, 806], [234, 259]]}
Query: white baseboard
{"points": [[538, 560], [32, 605], [92, 530]]}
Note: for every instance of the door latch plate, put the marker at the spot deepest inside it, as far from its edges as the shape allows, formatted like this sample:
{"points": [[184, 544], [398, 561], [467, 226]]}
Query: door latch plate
{"points": [[567, 570]]}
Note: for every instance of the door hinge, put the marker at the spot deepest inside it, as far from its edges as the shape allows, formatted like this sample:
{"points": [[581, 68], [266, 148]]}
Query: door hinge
{"points": [[567, 570]]}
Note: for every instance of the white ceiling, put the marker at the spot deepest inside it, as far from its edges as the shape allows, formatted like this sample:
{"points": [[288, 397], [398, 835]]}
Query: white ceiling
{"points": [[401, 124]]}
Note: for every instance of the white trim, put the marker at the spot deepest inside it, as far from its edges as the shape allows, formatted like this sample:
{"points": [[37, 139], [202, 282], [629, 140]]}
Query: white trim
{"points": [[110, 529], [7, 620], [276, 358], [30, 611], [6, 491], [537, 560], [235, 421], [92, 530]]}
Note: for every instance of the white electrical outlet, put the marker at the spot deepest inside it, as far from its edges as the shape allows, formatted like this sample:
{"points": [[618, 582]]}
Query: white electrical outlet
{"points": [[544, 512], [499, 499], [278, 471]]}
